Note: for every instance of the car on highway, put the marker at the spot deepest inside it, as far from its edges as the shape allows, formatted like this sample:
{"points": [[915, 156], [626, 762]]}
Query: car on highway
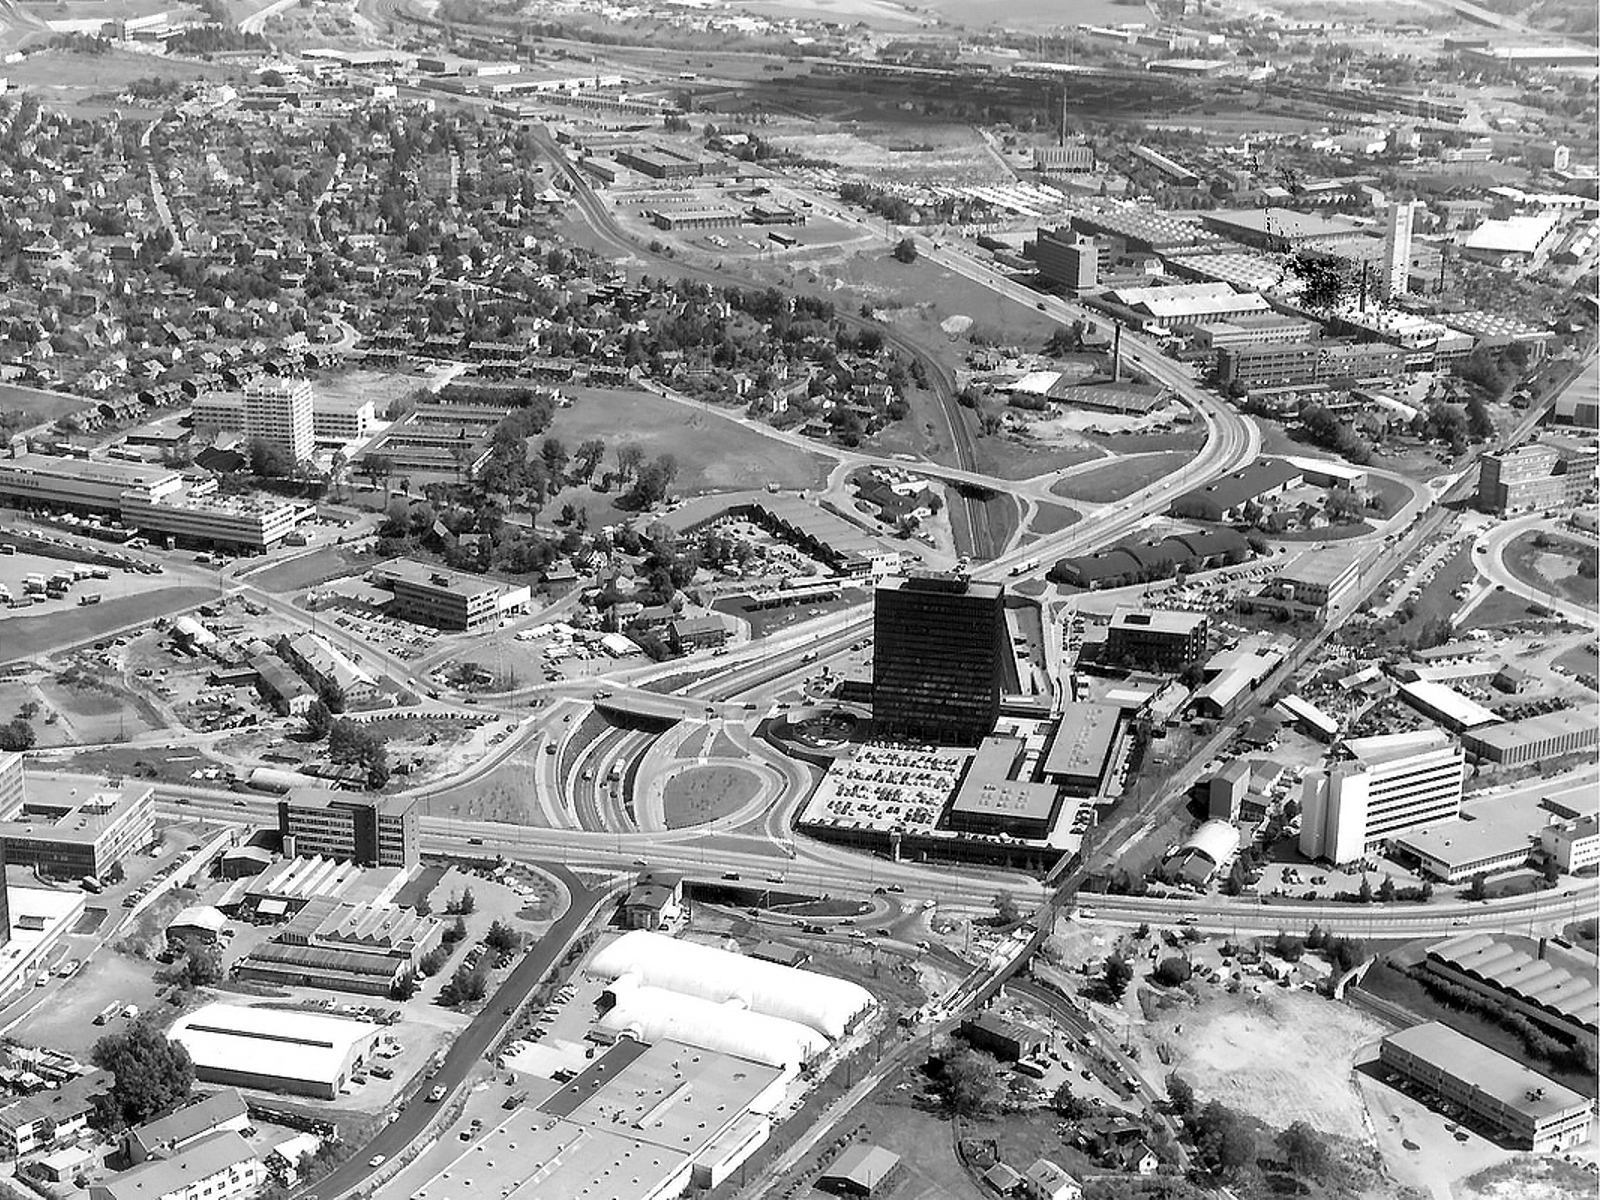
{"points": [[377, 1160], [436, 1095]]}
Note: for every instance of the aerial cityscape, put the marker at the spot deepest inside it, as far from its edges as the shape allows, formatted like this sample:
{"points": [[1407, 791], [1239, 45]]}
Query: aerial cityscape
{"points": [[742, 599]]}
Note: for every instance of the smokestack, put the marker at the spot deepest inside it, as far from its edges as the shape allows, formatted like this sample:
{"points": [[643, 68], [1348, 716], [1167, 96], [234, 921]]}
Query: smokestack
{"points": [[1116, 353], [1365, 269], [1544, 944]]}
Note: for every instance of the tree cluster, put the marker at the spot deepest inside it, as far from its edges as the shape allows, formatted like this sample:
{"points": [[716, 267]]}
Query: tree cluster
{"points": [[349, 742], [150, 1075], [466, 985]]}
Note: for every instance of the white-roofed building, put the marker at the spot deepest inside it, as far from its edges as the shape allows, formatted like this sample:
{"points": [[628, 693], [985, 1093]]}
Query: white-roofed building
{"points": [[652, 1014], [274, 1049], [199, 923], [1444, 704], [1198, 856], [1525, 239], [1389, 785], [1185, 305], [821, 1002]]}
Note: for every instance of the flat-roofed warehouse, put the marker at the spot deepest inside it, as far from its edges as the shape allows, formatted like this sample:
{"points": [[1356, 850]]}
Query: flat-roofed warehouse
{"points": [[274, 1049], [1528, 1110], [1534, 738], [1081, 750], [444, 599], [990, 801]]}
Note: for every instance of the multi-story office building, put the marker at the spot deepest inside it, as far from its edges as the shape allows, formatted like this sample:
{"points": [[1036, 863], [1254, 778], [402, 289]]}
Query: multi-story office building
{"points": [[379, 831], [1386, 786], [430, 595], [1395, 279], [1300, 363], [1254, 329], [1528, 1110], [69, 830], [155, 500], [938, 662], [1070, 260], [279, 412], [1542, 475], [1168, 640]]}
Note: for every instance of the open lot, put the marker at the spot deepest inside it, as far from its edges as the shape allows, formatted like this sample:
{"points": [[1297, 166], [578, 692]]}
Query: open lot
{"points": [[703, 794], [65, 78], [504, 794], [1121, 478], [307, 570], [1280, 1055], [75, 624]]}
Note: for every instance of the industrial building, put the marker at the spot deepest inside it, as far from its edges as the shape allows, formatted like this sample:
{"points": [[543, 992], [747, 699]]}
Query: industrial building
{"points": [[1550, 986], [862, 1171], [1229, 678], [273, 893], [453, 600], [1518, 241], [637, 1122], [1225, 499], [1225, 791], [274, 1049], [1542, 475], [1183, 306], [69, 828], [1281, 229], [156, 500], [326, 667], [1441, 703], [940, 649], [1459, 850], [1300, 364], [1009, 1041], [343, 947], [659, 162], [1520, 1106], [1533, 739], [1387, 786], [1254, 329], [1197, 859], [1313, 583], [1165, 639], [370, 830], [821, 1003], [1199, 550], [1069, 260]]}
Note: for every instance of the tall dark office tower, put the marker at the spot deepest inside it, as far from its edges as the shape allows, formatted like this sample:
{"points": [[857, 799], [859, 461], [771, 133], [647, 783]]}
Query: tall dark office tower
{"points": [[5, 899], [938, 661]]}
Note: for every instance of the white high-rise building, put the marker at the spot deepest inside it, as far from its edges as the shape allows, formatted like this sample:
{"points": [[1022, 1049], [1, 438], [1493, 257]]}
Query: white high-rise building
{"points": [[1387, 786], [278, 411], [1395, 279]]}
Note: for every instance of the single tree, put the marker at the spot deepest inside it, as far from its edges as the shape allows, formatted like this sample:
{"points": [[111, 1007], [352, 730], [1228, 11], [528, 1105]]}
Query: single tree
{"points": [[971, 1081], [150, 1074], [319, 721], [1180, 1095], [1303, 1150], [905, 250], [1116, 975]]}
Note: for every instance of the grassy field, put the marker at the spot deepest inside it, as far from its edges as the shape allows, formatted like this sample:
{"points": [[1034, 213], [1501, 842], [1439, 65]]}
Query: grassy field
{"points": [[1036, 14], [96, 715], [504, 794], [1053, 518], [1553, 567], [1121, 478], [1012, 458], [714, 453], [1583, 659], [1497, 610], [34, 635], [306, 570], [70, 77], [35, 405], [703, 794]]}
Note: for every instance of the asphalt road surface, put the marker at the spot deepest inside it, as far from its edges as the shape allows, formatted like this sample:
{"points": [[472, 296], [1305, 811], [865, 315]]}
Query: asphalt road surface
{"points": [[394, 1139]]}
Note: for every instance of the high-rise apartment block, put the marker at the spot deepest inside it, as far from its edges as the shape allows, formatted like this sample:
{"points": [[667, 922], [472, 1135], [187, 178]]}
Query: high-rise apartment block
{"points": [[1395, 279], [278, 411], [939, 658], [1388, 785]]}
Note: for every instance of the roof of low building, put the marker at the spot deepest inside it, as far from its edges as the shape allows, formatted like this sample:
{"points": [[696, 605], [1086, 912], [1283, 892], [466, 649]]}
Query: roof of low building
{"points": [[864, 1165], [199, 1160]]}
